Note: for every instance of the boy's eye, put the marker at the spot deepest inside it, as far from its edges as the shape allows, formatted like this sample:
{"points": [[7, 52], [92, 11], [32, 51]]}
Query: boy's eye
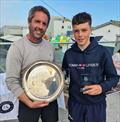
{"points": [[83, 30], [76, 31]]}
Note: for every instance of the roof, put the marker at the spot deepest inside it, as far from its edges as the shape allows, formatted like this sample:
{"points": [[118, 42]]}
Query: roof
{"points": [[111, 22], [14, 26], [60, 18], [11, 38]]}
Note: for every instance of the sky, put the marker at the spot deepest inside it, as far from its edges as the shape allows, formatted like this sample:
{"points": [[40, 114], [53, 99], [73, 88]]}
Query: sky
{"points": [[15, 12]]}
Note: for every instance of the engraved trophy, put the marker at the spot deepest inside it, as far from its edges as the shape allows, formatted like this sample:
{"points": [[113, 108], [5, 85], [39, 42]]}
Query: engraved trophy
{"points": [[43, 81], [85, 79]]}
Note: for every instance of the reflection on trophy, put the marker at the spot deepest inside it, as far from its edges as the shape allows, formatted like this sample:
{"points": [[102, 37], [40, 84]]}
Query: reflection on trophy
{"points": [[43, 81]]}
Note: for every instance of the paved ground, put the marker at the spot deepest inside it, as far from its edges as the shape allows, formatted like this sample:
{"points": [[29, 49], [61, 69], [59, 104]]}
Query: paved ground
{"points": [[113, 109]]}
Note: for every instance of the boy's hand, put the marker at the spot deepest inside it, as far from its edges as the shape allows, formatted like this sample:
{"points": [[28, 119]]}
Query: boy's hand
{"points": [[93, 90]]}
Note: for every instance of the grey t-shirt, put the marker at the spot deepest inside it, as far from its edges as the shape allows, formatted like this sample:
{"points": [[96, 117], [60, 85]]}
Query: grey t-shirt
{"points": [[21, 55]]}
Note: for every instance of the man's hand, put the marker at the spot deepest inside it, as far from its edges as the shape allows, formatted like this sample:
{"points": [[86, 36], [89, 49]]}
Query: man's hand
{"points": [[93, 90], [32, 104], [38, 104]]}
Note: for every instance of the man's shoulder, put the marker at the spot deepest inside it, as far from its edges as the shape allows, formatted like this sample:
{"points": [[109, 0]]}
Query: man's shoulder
{"points": [[47, 43], [19, 41], [18, 44]]}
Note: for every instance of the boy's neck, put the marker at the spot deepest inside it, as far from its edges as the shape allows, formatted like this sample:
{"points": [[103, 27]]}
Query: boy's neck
{"points": [[84, 46]]}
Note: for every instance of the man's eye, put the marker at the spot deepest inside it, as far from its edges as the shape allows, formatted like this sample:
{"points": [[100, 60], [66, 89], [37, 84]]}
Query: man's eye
{"points": [[44, 24], [37, 21]]}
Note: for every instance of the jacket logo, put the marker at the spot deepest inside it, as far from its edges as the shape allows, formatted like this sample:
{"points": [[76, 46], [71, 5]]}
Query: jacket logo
{"points": [[83, 66]]}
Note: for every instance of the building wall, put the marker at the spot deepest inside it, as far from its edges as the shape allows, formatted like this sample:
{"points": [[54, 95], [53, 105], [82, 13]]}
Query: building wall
{"points": [[55, 26], [25, 31], [108, 32], [12, 31], [58, 27], [50, 30]]}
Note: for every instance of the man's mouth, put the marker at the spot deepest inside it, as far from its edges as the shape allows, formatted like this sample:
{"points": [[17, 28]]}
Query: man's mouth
{"points": [[39, 31]]}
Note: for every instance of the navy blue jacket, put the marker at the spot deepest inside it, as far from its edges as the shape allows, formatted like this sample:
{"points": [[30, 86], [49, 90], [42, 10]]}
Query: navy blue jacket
{"points": [[94, 65]]}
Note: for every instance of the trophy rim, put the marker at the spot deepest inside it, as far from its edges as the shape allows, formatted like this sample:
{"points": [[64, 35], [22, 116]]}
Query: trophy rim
{"points": [[58, 90]]}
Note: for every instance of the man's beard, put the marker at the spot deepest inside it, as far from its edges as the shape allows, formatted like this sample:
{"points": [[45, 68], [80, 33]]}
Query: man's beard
{"points": [[37, 33]]}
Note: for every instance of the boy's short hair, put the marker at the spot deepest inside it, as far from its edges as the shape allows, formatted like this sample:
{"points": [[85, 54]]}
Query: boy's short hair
{"points": [[82, 17]]}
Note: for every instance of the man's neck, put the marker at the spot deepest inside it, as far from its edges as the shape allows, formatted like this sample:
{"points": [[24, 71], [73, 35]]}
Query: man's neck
{"points": [[32, 39]]}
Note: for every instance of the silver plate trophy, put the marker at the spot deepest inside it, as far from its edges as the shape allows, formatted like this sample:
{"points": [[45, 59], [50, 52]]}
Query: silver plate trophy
{"points": [[43, 80]]}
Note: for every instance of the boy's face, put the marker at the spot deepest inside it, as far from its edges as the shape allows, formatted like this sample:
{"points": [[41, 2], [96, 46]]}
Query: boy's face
{"points": [[82, 34]]}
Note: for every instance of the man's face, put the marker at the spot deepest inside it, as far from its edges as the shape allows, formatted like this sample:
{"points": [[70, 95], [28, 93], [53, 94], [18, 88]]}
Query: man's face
{"points": [[38, 25], [82, 34]]}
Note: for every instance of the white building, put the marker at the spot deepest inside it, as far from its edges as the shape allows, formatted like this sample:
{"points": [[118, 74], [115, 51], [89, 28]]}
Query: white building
{"points": [[110, 33], [57, 25], [108, 30], [14, 30]]}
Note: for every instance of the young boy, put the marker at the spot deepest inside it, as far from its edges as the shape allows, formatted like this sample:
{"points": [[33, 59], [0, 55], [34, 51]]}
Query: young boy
{"points": [[91, 72]]}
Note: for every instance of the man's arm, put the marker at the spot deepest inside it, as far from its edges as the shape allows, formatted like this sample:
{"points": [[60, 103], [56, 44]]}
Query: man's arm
{"points": [[13, 69], [13, 78]]}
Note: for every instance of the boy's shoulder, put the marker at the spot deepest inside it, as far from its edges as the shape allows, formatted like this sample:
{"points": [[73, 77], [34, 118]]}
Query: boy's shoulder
{"points": [[102, 48], [69, 50]]}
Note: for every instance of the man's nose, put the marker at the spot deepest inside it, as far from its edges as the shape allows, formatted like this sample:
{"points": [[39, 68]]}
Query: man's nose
{"points": [[41, 25]]}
